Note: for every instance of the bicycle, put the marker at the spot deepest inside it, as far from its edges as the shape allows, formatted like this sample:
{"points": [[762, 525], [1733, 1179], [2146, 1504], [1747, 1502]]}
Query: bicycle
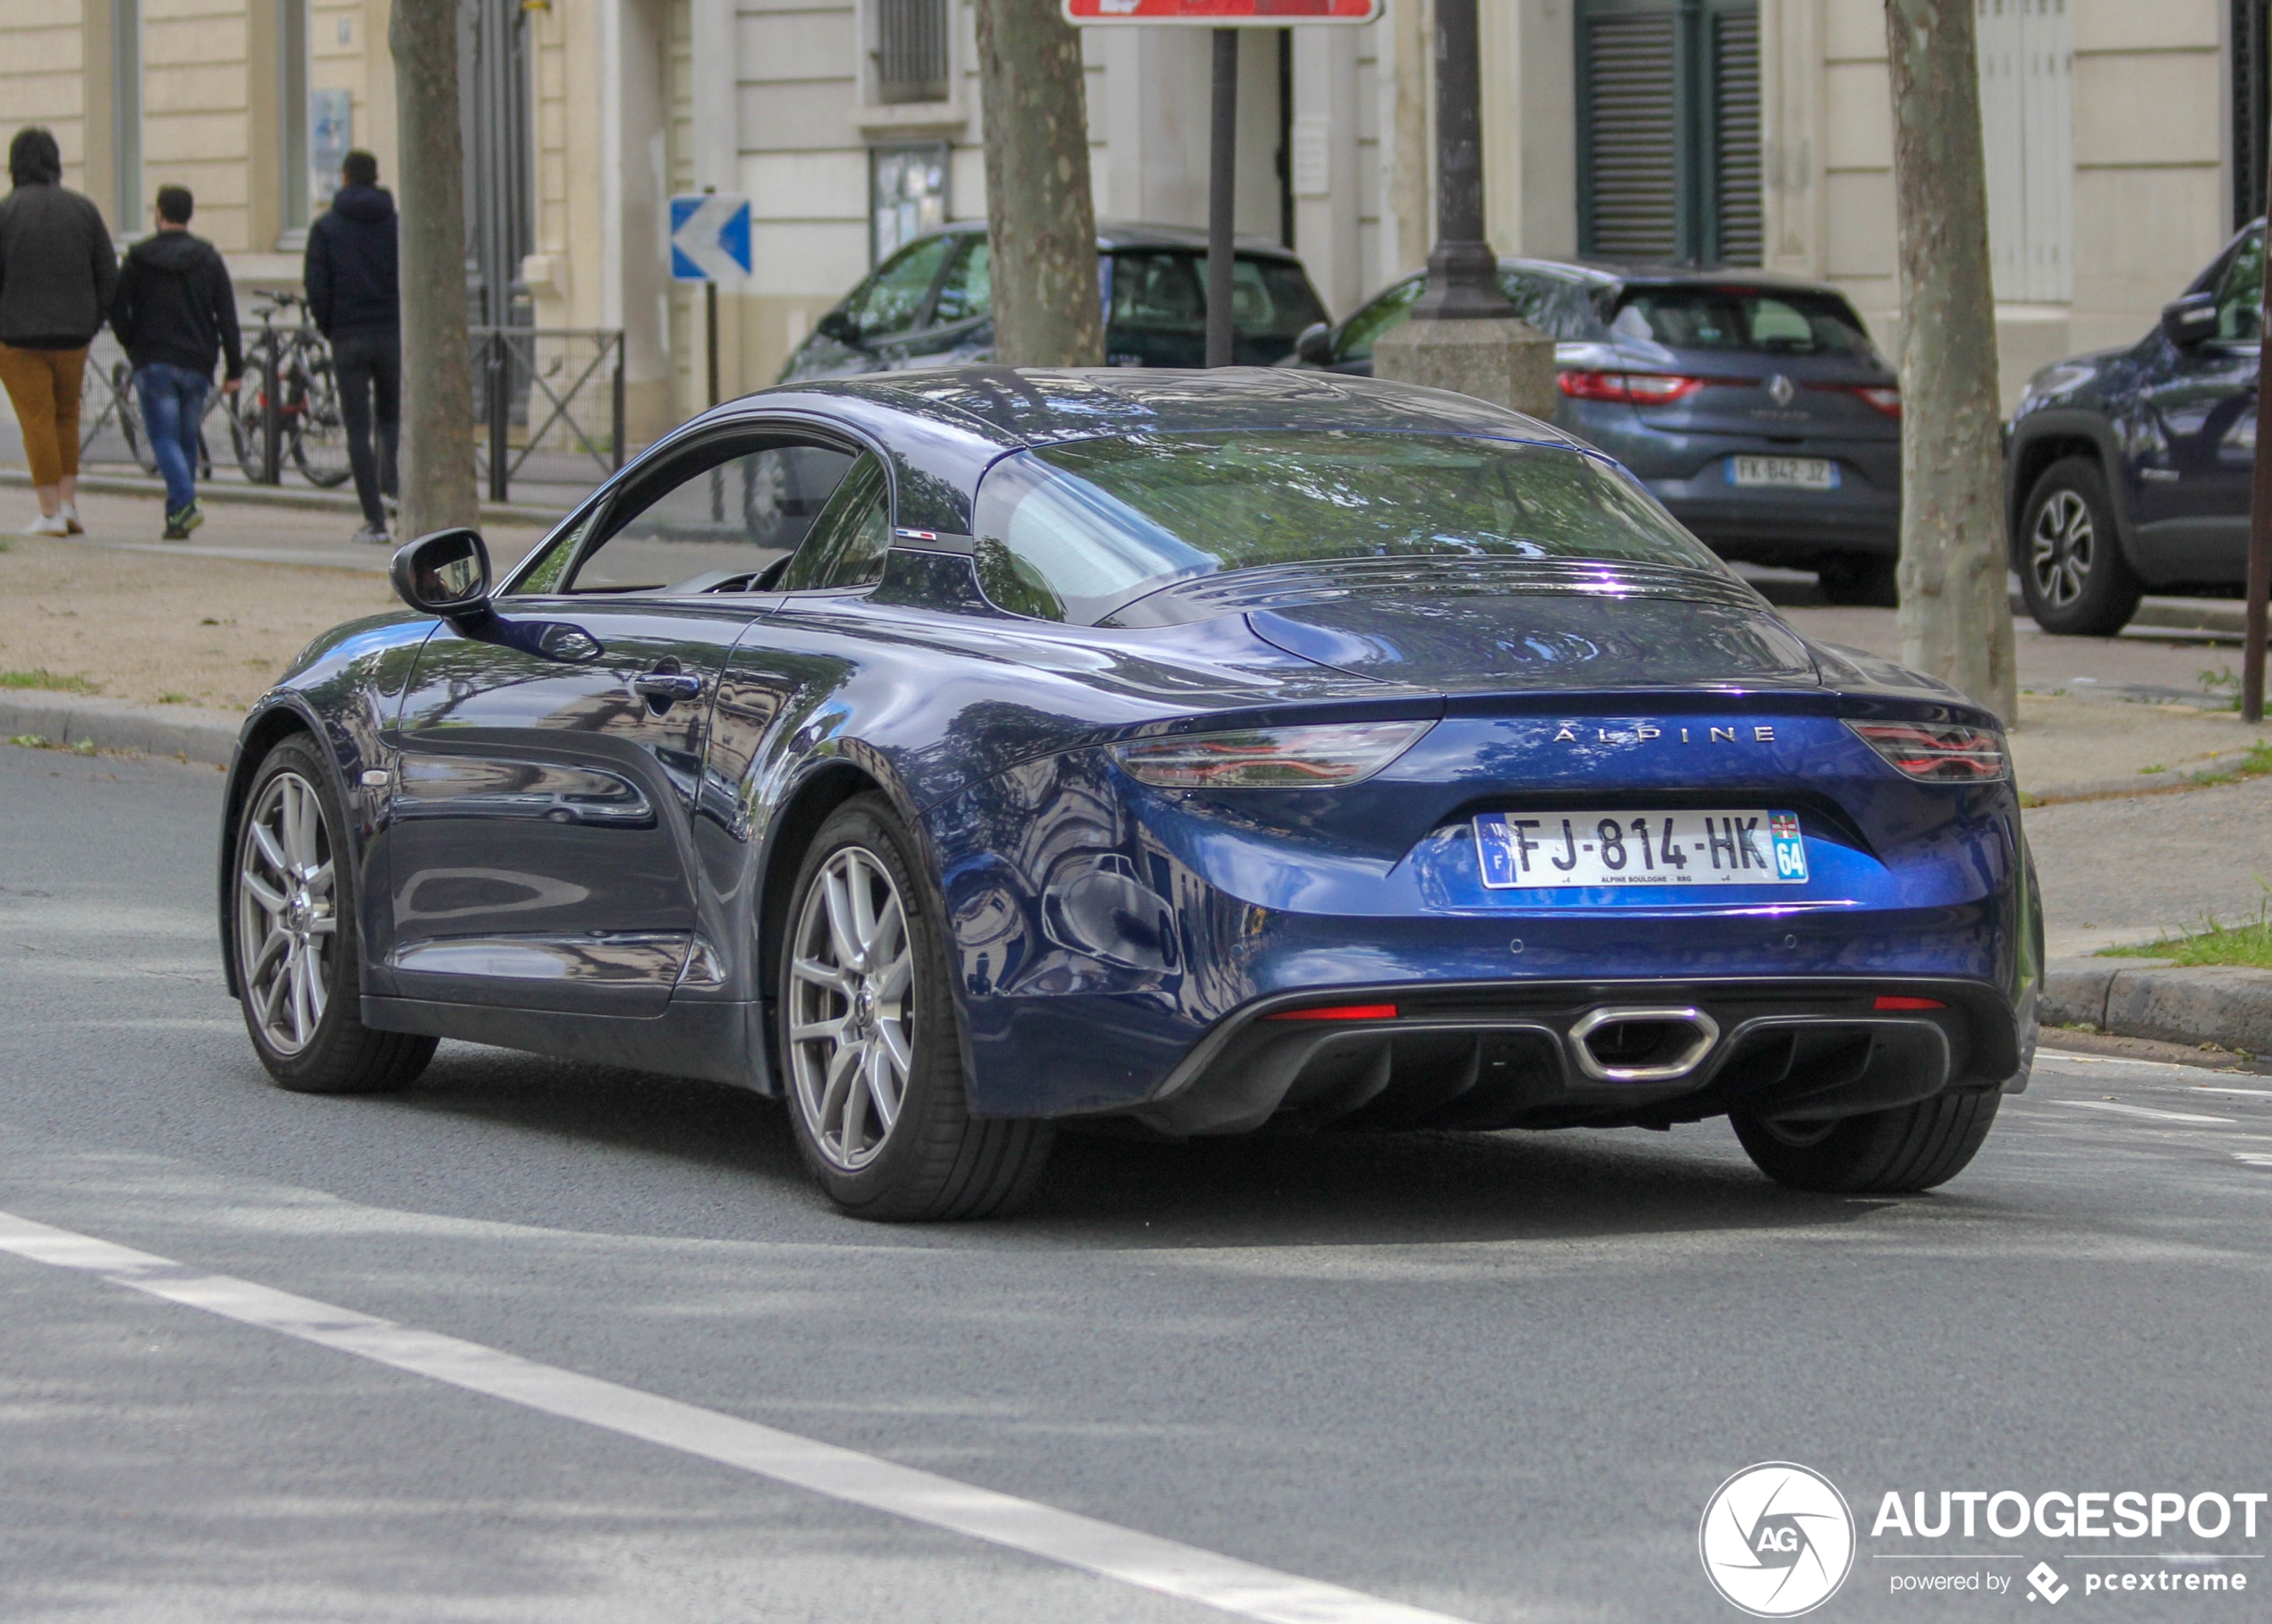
{"points": [[311, 425]]}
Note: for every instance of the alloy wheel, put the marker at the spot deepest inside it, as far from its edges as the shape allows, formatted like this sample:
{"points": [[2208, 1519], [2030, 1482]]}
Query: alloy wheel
{"points": [[852, 1007], [2062, 547], [286, 922]]}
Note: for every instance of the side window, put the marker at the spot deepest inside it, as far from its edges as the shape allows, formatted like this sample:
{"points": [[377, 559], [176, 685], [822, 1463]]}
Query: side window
{"points": [[714, 520], [850, 538], [968, 291], [2240, 294], [891, 302], [1365, 329]]}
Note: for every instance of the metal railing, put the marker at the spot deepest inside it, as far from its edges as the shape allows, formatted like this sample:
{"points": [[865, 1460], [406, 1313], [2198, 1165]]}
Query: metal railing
{"points": [[539, 390]]}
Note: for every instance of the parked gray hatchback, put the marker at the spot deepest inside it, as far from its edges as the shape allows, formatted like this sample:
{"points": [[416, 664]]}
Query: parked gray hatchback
{"points": [[1754, 406]]}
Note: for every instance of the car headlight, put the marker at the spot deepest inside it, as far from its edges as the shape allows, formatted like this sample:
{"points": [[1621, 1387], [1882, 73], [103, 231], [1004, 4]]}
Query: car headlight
{"points": [[1934, 753], [1270, 757]]}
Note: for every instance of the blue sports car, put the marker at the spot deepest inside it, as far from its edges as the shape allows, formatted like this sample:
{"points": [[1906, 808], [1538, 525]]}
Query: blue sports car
{"points": [[959, 754]]}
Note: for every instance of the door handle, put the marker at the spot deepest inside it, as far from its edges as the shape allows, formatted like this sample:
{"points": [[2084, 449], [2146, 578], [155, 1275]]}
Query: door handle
{"points": [[667, 687]]}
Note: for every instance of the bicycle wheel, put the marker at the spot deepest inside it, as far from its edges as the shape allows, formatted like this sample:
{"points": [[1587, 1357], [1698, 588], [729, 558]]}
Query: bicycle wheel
{"points": [[245, 407], [130, 417], [319, 437]]}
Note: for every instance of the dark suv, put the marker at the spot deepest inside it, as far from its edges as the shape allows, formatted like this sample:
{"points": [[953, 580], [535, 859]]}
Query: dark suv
{"points": [[931, 305], [2130, 468], [1754, 406]]}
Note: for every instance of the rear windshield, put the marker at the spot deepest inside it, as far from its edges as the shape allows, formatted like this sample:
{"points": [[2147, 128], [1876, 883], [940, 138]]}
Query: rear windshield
{"points": [[1160, 296], [1074, 532], [1779, 321]]}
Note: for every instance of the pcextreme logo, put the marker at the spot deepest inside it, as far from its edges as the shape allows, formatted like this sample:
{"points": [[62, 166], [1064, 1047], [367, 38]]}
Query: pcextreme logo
{"points": [[1777, 1540]]}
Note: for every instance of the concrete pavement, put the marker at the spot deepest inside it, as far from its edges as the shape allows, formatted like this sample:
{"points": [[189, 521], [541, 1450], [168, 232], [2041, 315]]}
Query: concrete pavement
{"points": [[1494, 1376]]}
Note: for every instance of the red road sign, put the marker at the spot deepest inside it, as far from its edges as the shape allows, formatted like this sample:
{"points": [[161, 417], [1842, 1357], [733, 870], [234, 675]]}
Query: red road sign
{"points": [[1222, 13]]}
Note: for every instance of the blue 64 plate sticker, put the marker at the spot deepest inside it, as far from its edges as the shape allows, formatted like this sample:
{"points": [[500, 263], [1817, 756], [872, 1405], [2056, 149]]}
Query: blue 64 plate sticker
{"points": [[1561, 850]]}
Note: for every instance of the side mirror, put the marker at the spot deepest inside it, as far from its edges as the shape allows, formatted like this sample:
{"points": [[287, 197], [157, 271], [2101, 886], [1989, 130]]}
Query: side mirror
{"points": [[2189, 320], [444, 573], [840, 327], [1314, 348]]}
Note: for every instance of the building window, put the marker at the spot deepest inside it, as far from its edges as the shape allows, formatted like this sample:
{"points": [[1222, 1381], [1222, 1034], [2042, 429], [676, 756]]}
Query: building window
{"points": [[129, 210], [2027, 137], [1668, 130], [907, 196], [911, 53]]}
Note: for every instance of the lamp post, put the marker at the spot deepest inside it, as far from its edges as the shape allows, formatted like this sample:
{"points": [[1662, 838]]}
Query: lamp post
{"points": [[1463, 334]]}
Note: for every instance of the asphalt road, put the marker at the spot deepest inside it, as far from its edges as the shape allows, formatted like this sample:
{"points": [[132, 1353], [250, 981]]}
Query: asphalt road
{"points": [[1494, 1376]]}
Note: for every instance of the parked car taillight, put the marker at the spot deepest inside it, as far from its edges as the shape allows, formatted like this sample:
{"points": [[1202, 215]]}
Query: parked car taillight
{"points": [[1938, 754], [1269, 758], [1887, 401], [1628, 388]]}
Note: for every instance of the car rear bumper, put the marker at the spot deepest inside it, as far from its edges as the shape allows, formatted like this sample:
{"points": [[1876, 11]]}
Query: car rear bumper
{"points": [[1758, 533], [1484, 1056]]}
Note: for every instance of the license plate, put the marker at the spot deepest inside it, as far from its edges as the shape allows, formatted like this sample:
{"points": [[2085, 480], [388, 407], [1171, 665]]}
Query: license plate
{"points": [[1537, 850], [1792, 473]]}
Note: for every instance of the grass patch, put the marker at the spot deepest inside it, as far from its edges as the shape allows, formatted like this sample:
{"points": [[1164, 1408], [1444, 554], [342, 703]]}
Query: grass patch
{"points": [[172, 699], [2248, 943], [56, 680]]}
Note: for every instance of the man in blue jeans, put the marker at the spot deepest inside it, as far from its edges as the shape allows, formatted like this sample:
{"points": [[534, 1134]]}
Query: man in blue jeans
{"points": [[176, 313]]}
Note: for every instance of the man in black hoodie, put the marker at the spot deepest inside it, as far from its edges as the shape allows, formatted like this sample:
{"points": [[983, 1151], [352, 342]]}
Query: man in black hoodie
{"points": [[176, 313], [355, 295]]}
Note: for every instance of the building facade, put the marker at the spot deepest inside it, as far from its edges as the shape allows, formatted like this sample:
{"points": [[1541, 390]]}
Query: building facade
{"points": [[2125, 140]]}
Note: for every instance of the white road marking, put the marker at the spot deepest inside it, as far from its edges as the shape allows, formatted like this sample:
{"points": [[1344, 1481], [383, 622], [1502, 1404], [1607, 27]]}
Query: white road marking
{"points": [[2256, 1093], [1150, 1563], [2141, 1111]]}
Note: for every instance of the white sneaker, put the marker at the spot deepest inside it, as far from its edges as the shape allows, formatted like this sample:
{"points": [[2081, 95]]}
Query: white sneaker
{"points": [[71, 519], [375, 534], [51, 524]]}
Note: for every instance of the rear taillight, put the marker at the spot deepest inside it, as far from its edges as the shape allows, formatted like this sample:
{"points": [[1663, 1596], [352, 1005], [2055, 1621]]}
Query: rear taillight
{"points": [[1934, 753], [1338, 1012], [1628, 388], [1269, 758], [1887, 401], [1895, 1001]]}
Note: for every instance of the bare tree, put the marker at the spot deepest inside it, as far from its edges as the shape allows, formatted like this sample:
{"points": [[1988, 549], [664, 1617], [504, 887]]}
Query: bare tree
{"points": [[1956, 611], [1411, 183], [437, 362], [1040, 217]]}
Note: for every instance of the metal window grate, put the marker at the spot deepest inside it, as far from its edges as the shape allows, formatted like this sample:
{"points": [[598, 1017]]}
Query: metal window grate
{"points": [[1735, 137], [910, 51], [1631, 201], [2252, 108]]}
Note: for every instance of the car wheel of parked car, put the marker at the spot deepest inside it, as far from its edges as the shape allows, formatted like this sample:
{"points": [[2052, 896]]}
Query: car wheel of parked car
{"points": [[2072, 571], [1909, 1148], [871, 1048], [1859, 581], [297, 973]]}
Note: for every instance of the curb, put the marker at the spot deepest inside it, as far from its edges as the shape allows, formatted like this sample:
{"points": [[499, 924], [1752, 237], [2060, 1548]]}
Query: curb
{"points": [[189, 734], [2228, 1005], [2222, 616], [272, 496]]}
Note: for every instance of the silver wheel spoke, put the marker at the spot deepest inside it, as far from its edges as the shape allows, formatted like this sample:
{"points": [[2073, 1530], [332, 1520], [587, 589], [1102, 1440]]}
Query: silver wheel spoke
{"points": [[270, 850], [264, 893], [851, 1032], [286, 918]]}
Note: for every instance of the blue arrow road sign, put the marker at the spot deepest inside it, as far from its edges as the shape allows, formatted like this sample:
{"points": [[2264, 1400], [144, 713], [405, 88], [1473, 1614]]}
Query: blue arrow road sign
{"points": [[709, 236]]}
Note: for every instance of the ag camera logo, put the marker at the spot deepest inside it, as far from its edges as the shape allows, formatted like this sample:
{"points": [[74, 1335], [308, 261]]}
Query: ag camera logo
{"points": [[1777, 1540]]}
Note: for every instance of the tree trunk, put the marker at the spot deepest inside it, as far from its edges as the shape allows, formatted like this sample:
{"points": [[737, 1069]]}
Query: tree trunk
{"points": [[1040, 218], [1955, 612], [437, 363]]}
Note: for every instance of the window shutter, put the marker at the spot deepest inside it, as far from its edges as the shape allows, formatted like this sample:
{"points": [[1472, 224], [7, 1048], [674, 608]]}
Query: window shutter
{"points": [[910, 51], [1737, 211], [2027, 139], [1628, 146]]}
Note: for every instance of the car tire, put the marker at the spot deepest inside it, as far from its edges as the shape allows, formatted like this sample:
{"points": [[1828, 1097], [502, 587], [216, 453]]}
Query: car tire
{"points": [[2073, 573], [1859, 581], [864, 1017], [1896, 1151], [293, 932]]}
